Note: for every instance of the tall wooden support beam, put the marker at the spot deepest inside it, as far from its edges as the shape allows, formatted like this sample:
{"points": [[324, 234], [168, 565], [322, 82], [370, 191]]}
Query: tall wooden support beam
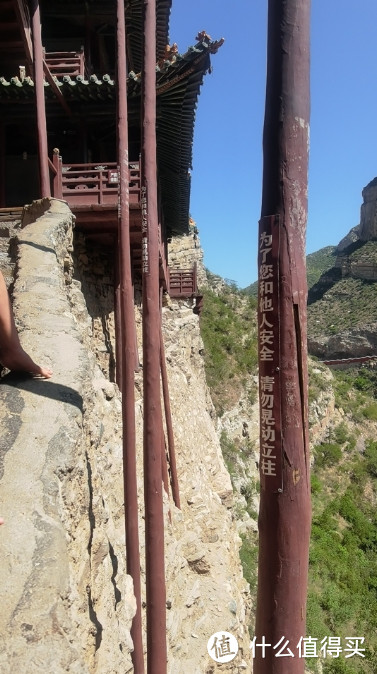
{"points": [[44, 175], [153, 488], [128, 347], [285, 512], [2, 164], [117, 317], [169, 426]]}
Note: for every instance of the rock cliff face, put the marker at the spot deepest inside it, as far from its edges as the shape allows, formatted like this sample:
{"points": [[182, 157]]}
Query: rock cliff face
{"points": [[67, 602], [356, 260], [368, 215], [356, 343]]}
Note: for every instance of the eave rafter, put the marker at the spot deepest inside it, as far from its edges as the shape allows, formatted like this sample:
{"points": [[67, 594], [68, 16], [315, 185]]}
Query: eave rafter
{"points": [[23, 20]]}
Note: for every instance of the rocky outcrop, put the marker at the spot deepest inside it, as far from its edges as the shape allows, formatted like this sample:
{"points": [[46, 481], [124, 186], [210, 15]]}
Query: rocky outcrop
{"points": [[352, 237], [368, 214], [67, 602], [205, 585], [348, 344], [356, 259]]}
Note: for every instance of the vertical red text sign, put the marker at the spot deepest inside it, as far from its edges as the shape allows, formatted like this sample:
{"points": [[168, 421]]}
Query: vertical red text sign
{"points": [[270, 465], [144, 231]]}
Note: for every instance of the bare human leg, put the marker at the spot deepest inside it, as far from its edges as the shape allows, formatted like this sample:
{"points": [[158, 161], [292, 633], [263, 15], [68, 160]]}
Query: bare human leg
{"points": [[12, 354]]}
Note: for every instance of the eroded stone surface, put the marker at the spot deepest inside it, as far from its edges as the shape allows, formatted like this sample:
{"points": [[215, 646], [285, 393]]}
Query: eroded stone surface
{"points": [[68, 602]]}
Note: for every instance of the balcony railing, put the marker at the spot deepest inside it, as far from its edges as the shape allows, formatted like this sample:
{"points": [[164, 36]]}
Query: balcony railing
{"points": [[183, 282], [92, 184], [65, 63]]}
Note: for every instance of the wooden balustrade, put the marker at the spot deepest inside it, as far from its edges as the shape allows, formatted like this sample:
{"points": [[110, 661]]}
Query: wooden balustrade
{"points": [[63, 64], [93, 184], [183, 282]]}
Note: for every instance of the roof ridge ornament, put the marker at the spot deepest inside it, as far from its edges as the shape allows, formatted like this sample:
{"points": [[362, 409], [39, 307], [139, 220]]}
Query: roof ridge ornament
{"points": [[213, 45]]}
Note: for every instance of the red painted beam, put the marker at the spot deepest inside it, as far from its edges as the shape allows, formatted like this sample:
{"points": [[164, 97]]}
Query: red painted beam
{"points": [[126, 301], [44, 176], [153, 486], [285, 511]]}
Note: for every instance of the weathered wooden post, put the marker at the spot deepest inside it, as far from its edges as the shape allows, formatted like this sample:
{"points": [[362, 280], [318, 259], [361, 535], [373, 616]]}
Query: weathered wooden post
{"points": [[127, 335], [169, 425], [153, 487], [44, 174], [285, 512]]}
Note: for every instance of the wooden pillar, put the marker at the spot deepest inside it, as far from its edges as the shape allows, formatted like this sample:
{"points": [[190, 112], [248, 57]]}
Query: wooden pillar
{"points": [[128, 347], [285, 512], [117, 319], [2, 164], [44, 176], [153, 487], [169, 426]]}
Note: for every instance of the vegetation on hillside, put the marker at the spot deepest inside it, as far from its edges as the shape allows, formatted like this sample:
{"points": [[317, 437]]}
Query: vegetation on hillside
{"points": [[319, 262], [342, 596], [342, 599], [228, 329], [350, 303], [340, 302]]}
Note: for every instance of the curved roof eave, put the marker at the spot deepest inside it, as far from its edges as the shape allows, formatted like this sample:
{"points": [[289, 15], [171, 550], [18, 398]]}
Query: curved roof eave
{"points": [[178, 81]]}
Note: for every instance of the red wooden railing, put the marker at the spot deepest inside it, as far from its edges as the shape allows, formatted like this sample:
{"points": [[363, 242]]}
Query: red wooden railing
{"points": [[183, 282], [85, 186], [92, 184], [65, 63], [349, 362]]}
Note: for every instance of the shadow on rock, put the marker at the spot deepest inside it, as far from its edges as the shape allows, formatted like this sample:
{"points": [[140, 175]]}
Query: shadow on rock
{"points": [[42, 387]]}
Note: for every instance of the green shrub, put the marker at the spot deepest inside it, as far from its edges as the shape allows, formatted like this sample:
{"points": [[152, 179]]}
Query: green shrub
{"points": [[340, 434], [327, 454], [229, 451], [370, 458], [370, 412], [316, 485], [249, 560], [229, 332]]}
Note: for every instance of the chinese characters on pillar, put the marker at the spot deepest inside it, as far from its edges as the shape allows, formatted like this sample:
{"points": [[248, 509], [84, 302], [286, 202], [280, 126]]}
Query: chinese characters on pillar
{"points": [[144, 231], [269, 354]]}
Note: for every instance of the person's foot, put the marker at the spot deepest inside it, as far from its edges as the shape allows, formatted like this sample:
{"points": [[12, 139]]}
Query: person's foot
{"points": [[1, 521], [19, 361]]}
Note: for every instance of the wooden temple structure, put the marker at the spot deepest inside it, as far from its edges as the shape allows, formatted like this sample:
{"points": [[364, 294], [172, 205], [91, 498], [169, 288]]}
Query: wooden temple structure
{"points": [[66, 146], [97, 108]]}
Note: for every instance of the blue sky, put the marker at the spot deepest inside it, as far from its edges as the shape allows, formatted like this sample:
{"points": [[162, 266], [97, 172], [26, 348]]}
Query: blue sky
{"points": [[227, 157]]}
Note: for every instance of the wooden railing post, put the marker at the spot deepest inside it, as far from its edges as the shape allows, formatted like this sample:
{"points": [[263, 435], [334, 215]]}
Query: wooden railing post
{"points": [[100, 196], [44, 175], [57, 186]]}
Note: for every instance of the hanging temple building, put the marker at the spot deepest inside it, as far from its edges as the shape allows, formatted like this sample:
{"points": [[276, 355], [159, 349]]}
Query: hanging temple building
{"points": [[75, 127]]}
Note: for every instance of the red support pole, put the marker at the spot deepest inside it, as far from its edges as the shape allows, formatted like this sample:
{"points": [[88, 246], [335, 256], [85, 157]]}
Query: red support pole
{"points": [[2, 164], [285, 512], [44, 174], [164, 463], [117, 318], [169, 426], [128, 348], [153, 487]]}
